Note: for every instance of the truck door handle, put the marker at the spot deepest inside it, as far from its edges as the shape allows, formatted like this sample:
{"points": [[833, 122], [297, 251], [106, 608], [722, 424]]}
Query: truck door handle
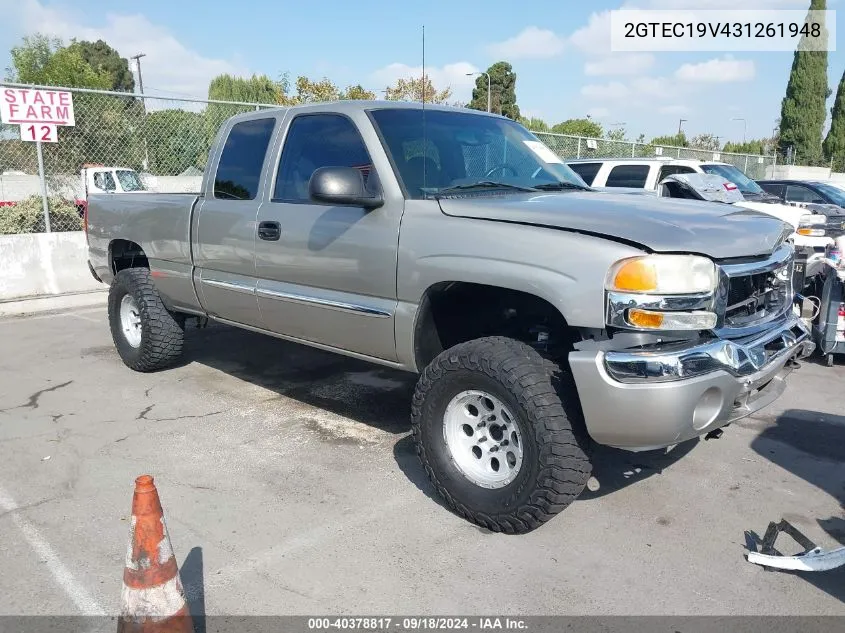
{"points": [[270, 231]]}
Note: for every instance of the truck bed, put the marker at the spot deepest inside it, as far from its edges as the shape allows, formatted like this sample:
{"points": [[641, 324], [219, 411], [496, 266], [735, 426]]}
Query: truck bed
{"points": [[159, 221]]}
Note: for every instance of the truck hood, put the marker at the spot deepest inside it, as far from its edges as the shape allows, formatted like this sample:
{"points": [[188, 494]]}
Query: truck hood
{"points": [[714, 229], [786, 212]]}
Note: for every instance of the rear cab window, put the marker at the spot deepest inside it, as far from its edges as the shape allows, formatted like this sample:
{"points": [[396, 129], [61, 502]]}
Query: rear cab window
{"points": [[669, 170], [238, 174], [632, 176]]}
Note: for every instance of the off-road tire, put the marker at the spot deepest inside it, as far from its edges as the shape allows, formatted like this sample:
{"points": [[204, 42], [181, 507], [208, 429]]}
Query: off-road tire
{"points": [[542, 396], [162, 331]]}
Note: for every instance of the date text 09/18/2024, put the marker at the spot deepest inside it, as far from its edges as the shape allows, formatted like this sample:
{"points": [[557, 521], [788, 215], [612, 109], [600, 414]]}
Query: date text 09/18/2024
{"points": [[481, 623]]}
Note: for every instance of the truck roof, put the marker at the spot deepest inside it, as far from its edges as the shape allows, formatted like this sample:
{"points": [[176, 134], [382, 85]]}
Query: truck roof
{"points": [[356, 105], [652, 159]]}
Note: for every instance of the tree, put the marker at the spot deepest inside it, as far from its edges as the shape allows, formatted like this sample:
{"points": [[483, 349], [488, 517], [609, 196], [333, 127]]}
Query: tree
{"points": [[254, 89], [503, 87], [834, 143], [103, 58], [752, 146], [310, 91], [413, 89], [675, 140], [42, 60], [617, 134], [358, 93], [534, 124], [803, 109], [579, 127], [705, 141], [175, 141]]}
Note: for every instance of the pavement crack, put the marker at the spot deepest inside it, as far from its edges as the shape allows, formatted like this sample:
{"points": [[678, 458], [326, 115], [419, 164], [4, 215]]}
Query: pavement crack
{"points": [[184, 417], [143, 414], [32, 403], [147, 392]]}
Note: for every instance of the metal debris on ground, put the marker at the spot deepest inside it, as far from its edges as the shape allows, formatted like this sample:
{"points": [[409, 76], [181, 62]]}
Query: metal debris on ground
{"points": [[814, 558]]}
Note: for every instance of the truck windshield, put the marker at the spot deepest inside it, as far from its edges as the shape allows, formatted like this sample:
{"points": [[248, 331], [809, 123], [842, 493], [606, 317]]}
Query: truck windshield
{"points": [[835, 194], [743, 182], [462, 152], [129, 180]]}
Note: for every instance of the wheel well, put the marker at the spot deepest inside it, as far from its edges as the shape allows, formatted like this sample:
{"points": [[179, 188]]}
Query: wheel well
{"points": [[454, 312], [125, 254]]}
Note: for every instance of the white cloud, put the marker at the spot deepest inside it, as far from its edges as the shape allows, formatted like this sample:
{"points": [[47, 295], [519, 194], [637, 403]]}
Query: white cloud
{"points": [[452, 75], [717, 71], [609, 91], [727, 4], [169, 66], [594, 38], [531, 42], [673, 109], [624, 64]]}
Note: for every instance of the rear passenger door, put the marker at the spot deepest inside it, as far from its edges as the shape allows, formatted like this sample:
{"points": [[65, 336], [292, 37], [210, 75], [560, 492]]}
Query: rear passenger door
{"points": [[225, 227]]}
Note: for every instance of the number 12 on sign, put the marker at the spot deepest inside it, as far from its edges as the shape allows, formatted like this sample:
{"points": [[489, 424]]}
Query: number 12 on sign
{"points": [[46, 133]]}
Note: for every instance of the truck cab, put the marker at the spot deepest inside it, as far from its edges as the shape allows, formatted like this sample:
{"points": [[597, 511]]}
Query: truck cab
{"points": [[101, 179]]}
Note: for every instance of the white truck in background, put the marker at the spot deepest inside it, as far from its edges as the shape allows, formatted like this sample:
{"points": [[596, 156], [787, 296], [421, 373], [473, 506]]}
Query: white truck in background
{"points": [[101, 179]]}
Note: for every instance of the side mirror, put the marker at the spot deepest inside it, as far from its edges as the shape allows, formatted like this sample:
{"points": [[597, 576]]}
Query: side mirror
{"points": [[342, 186]]}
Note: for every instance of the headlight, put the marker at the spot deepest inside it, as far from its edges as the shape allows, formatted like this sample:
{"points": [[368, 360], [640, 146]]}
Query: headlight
{"points": [[663, 275], [812, 225]]}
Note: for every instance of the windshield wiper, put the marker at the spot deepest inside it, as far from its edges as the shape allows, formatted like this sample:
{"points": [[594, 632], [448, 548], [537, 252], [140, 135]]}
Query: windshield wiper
{"points": [[558, 186], [483, 184]]}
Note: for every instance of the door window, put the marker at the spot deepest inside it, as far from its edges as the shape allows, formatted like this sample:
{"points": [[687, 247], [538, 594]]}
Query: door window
{"points": [[587, 171], [668, 170], [628, 176], [239, 171], [104, 180], [796, 193], [314, 141]]}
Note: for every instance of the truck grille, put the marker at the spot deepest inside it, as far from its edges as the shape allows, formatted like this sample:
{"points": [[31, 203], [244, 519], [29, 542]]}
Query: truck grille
{"points": [[755, 296]]}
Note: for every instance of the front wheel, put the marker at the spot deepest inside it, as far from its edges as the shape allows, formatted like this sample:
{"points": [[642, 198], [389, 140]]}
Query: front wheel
{"points": [[146, 334], [500, 440]]}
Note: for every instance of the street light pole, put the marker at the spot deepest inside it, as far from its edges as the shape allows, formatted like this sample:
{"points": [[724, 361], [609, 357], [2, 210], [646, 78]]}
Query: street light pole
{"points": [[680, 123], [137, 59], [744, 127], [489, 91]]}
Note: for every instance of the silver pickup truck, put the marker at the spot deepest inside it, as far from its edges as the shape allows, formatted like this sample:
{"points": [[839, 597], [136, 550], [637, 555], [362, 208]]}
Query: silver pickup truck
{"points": [[541, 316]]}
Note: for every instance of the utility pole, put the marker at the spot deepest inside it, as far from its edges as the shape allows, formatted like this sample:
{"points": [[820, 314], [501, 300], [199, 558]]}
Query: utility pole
{"points": [[680, 123], [489, 87], [744, 127], [137, 59]]}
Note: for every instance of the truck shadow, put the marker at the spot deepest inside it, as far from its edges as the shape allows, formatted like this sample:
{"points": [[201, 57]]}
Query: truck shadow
{"points": [[810, 445], [375, 396], [363, 392]]}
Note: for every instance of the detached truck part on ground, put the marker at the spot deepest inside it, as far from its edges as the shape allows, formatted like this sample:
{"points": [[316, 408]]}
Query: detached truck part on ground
{"points": [[540, 315]]}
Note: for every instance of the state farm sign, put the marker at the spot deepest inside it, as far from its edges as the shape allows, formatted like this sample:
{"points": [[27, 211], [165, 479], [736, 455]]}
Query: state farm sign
{"points": [[26, 105]]}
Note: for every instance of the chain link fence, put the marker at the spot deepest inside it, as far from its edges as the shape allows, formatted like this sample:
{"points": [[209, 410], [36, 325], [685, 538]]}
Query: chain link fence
{"points": [[574, 147], [162, 145]]}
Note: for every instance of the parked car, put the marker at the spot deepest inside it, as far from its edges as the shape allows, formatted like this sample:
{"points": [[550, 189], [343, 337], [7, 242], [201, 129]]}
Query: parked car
{"points": [[801, 192], [542, 317], [646, 174]]}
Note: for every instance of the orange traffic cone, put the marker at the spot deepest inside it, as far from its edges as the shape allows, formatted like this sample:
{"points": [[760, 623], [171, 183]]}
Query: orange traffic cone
{"points": [[152, 598]]}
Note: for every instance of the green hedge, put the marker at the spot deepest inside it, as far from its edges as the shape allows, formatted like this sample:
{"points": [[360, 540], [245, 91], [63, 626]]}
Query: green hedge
{"points": [[27, 216]]}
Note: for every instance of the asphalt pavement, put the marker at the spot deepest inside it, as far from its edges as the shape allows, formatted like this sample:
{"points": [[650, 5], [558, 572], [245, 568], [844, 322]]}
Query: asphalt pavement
{"points": [[289, 486]]}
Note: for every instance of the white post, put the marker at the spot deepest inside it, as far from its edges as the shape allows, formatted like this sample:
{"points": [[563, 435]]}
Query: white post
{"points": [[745, 171], [633, 149], [44, 204], [578, 152]]}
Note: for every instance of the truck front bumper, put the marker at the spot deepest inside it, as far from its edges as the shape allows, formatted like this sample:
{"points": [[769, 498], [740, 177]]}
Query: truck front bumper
{"points": [[648, 399]]}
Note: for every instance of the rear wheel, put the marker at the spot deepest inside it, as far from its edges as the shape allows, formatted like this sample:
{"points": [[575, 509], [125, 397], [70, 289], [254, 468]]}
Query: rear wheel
{"points": [[498, 431], [146, 334]]}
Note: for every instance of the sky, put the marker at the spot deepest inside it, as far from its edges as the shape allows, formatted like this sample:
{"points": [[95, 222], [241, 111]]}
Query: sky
{"points": [[560, 51]]}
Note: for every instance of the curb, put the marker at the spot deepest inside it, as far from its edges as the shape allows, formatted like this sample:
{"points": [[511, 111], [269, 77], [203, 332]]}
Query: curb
{"points": [[53, 303]]}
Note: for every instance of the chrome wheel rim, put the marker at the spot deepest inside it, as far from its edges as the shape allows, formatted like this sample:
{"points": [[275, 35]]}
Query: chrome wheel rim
{"points": [[483, 439], [130, 321]]}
